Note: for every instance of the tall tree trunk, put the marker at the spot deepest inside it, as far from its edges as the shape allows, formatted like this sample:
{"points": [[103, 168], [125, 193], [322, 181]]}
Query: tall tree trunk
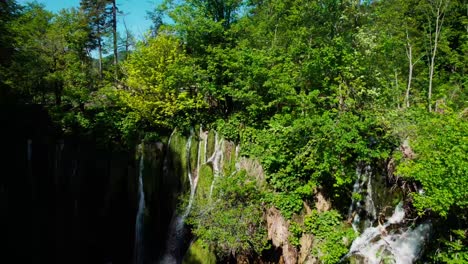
{"points": [[397, 88], [57, 93], [114, 32], [409, 54], [100, 57], [127, 39], [440, 13]]}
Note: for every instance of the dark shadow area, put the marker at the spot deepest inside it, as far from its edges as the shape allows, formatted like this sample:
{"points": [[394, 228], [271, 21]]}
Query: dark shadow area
{"points": [[63, 199]]}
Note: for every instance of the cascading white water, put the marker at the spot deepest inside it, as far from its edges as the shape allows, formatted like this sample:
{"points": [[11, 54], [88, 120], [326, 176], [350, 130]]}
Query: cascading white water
{"points": [[217, 161], [139, 223], [190, 177], [398, 215], [389, 244], [390, 241], [369, 202], [176, 232], [363, 179]]}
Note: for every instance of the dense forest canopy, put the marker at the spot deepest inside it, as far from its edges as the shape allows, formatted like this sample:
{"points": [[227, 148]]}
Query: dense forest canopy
{"points": [[310, 88]]}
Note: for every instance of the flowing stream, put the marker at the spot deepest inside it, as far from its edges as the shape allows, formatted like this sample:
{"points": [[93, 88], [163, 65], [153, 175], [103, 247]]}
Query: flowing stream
{"points": [[390, 241], [139, 223]]}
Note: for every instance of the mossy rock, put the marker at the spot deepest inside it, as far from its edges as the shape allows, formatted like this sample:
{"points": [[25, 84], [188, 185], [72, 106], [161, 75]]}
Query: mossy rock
{"points": [[204, 182], [210, 148], [199, 254]]}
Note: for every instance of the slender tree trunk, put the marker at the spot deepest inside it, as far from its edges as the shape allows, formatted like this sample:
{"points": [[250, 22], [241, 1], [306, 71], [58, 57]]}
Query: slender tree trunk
{"points": [[127, 39], [409, 54], [431, 66], [100, 57], [397, 88], [440, 12], [114, 32], [99, 39]]}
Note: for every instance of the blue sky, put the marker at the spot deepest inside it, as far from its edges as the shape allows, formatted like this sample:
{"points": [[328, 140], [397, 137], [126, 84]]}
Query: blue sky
{"points": [[134, 11]]}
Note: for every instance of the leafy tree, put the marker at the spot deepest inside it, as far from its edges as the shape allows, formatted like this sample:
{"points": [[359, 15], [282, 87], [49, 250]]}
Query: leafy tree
{"points": [[232, 221], [455, 249], [98, 18], [440, 164], [66, 50], [9, 11], [30, 64], [162, 82], [331, 237]]}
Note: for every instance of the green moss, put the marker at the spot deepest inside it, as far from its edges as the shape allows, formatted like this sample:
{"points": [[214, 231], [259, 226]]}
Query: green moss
{"points": [[194, 153], [204, 182], [178, 154], [153, 160], [211, 143], [230, 164], [202, 150], [199, 254]]}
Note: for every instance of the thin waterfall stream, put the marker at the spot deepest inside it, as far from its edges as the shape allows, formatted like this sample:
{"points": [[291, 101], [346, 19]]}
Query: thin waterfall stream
{"points": [[216, 161], [139, 223]]}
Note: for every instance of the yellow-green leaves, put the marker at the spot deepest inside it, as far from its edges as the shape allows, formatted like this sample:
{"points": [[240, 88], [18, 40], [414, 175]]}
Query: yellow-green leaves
{"points": [[161, 80]]}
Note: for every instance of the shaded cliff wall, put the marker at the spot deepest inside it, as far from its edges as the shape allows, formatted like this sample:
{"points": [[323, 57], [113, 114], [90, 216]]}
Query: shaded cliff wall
{"points": [[62, 199]]}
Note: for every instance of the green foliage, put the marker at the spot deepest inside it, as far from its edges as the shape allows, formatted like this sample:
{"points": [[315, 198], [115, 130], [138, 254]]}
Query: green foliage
{"points": [[296, 232], [455, 250], [331, 237], [303, 153], [199, 253], [439, 142], [231, 221], [161, 82], [288, 203], [307, 87]]}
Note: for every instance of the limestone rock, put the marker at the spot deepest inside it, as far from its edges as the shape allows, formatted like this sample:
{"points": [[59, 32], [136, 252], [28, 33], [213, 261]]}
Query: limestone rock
{"points": [[305, 257], [278, 233], [321, 203]]}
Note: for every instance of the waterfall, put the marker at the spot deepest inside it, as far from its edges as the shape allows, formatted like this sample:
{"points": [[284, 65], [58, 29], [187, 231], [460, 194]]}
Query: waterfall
{"points": [[190, 177], [365, 206], [354, 202], [29, 151], [139, 223], [176, 232], [216, 160], [370, 206], [389, 242]]}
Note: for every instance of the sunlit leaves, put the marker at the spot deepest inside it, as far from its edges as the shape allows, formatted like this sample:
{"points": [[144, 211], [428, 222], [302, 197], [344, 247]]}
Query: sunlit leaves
{"points": [[331, 237], [161, 81], [232, 219], [440, 163]]}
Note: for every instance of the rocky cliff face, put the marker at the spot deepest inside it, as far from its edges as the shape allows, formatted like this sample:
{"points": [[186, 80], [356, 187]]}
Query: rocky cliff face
{"points": [[279, 234]]}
